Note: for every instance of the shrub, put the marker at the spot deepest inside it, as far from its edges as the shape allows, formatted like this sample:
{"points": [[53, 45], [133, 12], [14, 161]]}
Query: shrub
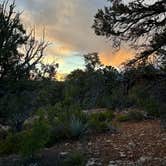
{"points": [[99, 122], [122, 118], [75, 159], [35, 139], [135, 115], [76, 127], [58, 132], [11, 144], [103, 116], [151, 107]]}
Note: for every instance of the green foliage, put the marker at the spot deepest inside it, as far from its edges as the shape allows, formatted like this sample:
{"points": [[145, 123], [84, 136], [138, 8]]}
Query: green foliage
{"points": [[66, 121], [98, 126], [122, 118], [151, 107], [25, 97], [81, 87], [35, 139], [144, 99], [11, 144], [75, 159], [77, 127], [135, 115], [103, 116], [99, 122]]}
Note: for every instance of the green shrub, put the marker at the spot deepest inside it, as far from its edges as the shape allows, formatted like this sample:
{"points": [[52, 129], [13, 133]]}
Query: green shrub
{"points": [[135, 115], [98, 126], [151, 107], [58, 132], [76, 127], [65, 121], [99, 121], [122, 118], [103, 116], [101, 126], [75, 159], [35, 139], [11, 144]]}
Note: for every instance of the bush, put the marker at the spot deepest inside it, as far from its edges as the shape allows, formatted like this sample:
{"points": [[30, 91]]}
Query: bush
{"points": [[35, 139], [151, 107], [75, 159], [11, 144], [66, 121], [103, 116], [58, 132], [76, 127], [135, 115], [99, 122], [122, 118]]}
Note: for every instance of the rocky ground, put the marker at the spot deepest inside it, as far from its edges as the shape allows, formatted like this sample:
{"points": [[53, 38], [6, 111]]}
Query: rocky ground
{"points": [[136, 144]]}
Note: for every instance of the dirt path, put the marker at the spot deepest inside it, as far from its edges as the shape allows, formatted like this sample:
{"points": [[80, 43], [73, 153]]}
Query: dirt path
{"points": [[140, 143]]}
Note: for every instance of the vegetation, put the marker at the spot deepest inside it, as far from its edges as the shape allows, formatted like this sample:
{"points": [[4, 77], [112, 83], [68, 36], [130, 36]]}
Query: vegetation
{"points": [[40, 111], [75, 159]]}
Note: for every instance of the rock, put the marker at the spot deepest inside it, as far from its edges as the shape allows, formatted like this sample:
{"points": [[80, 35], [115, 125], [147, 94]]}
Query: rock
{"points": [[143, 159], [89, 143], [64, 153], [122, 154], [66, 144], [93, 161], [108, 141], [163, 139], [131, 145]]}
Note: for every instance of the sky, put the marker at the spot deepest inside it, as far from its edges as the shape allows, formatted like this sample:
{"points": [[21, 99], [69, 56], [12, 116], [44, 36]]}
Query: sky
{"points": [[67, 25]]}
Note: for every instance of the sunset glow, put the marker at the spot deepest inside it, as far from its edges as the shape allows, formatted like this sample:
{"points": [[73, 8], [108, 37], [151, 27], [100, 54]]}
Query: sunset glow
{"points": [[67, 26]]}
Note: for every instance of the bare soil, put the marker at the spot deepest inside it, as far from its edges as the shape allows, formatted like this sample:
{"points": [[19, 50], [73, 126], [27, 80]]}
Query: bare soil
{"points": [[136, 143]]}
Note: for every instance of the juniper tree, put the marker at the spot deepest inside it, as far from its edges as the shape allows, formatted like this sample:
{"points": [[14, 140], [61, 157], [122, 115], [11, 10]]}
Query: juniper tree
{"points": [[141, 23], [20, 53]]}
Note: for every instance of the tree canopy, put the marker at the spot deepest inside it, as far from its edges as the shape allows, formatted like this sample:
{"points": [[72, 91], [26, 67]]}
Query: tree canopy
{"points": [[20, 53], [141, 24]]}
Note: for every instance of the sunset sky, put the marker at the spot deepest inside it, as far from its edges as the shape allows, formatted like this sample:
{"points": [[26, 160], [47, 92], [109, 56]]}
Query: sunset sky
{"points": [[68, 28]]}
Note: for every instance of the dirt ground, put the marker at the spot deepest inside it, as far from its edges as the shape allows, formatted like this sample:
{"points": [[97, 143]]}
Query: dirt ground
{"points": [[141, 143]]}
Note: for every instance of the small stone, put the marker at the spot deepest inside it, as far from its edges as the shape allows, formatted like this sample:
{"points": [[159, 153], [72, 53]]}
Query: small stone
{"points": [[122, 154], [112, 162], [163, 139], [91, 162], [89, 143], [108, 141], [64, 153], [131, 145], [143, 159]]}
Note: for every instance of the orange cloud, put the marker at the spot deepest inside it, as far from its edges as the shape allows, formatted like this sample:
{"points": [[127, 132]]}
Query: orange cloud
{"points": [[117, 58]]}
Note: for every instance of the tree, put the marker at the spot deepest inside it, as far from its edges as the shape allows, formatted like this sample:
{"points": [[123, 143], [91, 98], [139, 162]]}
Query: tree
{"points": [[92, 61], [20, 54], [139, 23], [143, 25]]}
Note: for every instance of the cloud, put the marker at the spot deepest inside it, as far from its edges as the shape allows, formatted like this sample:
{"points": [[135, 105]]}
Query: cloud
{"points": [[68, 26], [116, 58]]}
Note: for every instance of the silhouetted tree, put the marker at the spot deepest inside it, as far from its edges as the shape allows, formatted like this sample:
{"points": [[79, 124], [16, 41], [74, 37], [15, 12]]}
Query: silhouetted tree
{"points": [[20, 53], [138, 22], [92, 61]]}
